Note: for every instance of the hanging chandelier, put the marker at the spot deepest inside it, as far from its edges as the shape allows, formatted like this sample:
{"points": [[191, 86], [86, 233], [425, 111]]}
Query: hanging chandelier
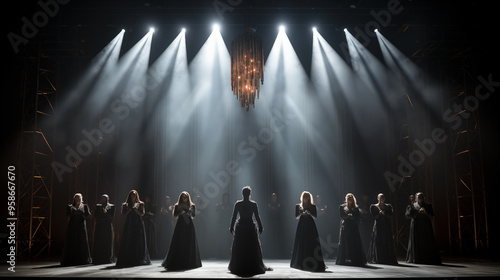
{"points": [[247, 68]]}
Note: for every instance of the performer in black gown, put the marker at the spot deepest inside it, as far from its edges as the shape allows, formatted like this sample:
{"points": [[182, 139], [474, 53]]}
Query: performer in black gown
{"points": [[350, 250], [183, 253], [76, 251], [103, 234], [307, 254], [246, 253], [422, 246], [382, 249], [133, 247]]}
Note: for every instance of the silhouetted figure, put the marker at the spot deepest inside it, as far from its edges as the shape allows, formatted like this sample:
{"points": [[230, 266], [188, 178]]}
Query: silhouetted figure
{"points": [[246, 253], [103, 233], [365, 222], [307, 254], [166, 226], [223, 210], [350, 250], [183, 253], [150, 226], [422, 246], [382, 248], [133, 246], [76, 251]]}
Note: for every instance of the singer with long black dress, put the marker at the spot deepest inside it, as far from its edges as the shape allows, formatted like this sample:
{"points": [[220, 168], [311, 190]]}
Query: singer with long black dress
{"points": [[103, 233], [246, 252], [307, 254], [76, 250], [183, 253]]}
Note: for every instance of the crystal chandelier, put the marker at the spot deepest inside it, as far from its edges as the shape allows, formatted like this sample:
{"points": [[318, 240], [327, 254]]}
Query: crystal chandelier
{"points": [[247, 68]]}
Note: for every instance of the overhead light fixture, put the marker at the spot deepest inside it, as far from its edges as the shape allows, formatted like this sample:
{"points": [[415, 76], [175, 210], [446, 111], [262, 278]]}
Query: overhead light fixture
{"points": [[247, 67]]}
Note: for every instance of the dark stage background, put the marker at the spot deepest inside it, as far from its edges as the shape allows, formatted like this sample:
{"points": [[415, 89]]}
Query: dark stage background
{"points": [[327, 150]]}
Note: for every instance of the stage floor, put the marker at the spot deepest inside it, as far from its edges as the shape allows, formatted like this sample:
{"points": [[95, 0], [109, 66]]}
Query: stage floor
{"points": [[451, 268]]}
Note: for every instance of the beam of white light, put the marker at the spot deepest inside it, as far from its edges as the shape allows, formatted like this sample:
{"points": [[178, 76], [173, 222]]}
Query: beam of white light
{"points": [[331, 77], [100, 66], [169, 77], [127, 109], [370, 103], [371, 71], [129, 71], [287, 88], [412, 79], [216, 27], [210, 97]]}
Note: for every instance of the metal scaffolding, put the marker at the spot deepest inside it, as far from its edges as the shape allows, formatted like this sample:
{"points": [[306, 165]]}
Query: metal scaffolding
{"points": [[34, 211]]}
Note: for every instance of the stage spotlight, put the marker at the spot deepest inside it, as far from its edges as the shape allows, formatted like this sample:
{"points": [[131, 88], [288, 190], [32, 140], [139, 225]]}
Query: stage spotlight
{"points": [[314, 29], [345, 29], [376, 30], [152, 29], [183, 29], [282, 28], [216, 27]]}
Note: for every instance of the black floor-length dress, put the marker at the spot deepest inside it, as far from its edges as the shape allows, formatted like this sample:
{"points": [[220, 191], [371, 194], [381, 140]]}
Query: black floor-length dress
{"points": [[422, 245], [350, 250], [246, 252], [76, 250], [307, 254], [133, 248], [382, 249], [183, 253], [103, 251]]}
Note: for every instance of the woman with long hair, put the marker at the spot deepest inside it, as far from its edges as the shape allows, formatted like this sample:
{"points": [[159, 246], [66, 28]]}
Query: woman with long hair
{"points": [[307, 254], [103, 232], [382, 249], [246, 253], [133, 247], [350, 250], [183, 253], [76, 251], [422, 245]]}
